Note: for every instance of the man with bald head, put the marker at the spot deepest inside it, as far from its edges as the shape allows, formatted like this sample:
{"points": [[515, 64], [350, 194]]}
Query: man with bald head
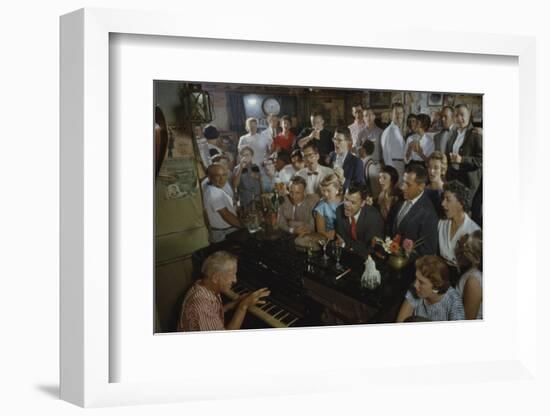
{"points": [[218, 204]]}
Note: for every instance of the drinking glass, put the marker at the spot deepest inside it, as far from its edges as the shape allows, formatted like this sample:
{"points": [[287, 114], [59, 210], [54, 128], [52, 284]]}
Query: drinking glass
{"points": [[338, 255]]}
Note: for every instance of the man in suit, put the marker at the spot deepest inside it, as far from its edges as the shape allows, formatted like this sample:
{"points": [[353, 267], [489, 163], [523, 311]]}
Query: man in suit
{"points": [[415, 217], [343, 158], [464, 151], [356, 222], [442, 137]]}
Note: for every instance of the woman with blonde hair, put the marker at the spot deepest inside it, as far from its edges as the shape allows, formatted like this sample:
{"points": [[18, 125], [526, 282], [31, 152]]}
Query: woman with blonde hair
{"points": [[331, 188]]}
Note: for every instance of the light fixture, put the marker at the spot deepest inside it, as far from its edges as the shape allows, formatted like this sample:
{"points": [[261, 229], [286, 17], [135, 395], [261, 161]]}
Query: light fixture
{"points": [[196, 104]]}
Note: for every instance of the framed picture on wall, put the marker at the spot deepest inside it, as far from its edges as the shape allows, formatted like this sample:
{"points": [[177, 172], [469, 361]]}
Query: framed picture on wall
{"points": [[110, 353], [449, 99], [435, 99], [380, 99]]}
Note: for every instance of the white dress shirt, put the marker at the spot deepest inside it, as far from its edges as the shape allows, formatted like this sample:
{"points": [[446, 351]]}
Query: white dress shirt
{"points": [[339, 160], [426, 143], [313, 181], [392, 144], [286, 173], [355, 130], [457, 144]]}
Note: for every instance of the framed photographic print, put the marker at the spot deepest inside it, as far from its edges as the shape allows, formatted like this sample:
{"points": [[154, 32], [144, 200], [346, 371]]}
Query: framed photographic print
{"points": [[435, 99], [380, 99], [448, 99], [110, 351]]}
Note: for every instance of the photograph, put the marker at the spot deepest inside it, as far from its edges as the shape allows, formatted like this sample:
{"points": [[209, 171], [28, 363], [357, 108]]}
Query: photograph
{"points": [[435, 99], [299, 206]]}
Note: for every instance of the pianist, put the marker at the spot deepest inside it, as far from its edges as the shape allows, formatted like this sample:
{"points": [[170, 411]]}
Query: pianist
{"points": [[202, 308]]}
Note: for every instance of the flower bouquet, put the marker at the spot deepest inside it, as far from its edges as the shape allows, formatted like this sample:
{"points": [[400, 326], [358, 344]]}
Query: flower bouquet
{"points": [[395, 250]]}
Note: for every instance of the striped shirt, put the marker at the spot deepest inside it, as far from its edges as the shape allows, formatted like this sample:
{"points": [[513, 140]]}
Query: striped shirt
{"points": [[449, 308], [202, 310]]}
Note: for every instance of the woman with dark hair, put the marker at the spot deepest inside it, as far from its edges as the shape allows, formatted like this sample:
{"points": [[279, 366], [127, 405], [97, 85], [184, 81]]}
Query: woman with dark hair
{"points": [[437, 169], [456, 204], [285, 139], [410, 126], [390, 194], [419, 146], [432, 297], [469, 287]]}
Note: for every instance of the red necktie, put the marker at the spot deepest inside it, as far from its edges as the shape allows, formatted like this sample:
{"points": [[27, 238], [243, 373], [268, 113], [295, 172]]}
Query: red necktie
{"points": [[353, 229]]}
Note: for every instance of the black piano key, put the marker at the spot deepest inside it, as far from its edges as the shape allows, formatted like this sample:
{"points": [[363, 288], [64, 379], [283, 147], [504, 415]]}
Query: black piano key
{"points": [[292, 322], [265, 306], [275, 311], [282, 316], [270, 308], [288, 318]]}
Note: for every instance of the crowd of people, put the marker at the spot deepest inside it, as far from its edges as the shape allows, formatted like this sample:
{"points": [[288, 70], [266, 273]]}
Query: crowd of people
{"points": [[361, 182]]}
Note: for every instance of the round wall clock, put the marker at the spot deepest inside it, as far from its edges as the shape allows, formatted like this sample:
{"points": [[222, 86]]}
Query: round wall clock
{"points": [[271, 106]]}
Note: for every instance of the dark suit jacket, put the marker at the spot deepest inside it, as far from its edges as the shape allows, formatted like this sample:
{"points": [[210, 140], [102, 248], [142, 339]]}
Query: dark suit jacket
{"points": [[353, 169], [324, 144], [369, 225], [420, 222], [469, 172]]}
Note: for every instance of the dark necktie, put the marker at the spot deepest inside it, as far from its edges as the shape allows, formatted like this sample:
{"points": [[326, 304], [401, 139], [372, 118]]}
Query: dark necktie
{"points": [[353, 229]]}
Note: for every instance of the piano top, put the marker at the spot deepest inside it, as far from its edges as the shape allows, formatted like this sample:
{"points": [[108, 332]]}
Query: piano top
{"points": [[287, 271]]}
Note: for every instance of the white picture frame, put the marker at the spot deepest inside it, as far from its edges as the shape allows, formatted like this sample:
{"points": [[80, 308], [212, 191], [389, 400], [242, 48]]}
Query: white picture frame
{"points": [[86, 261]]}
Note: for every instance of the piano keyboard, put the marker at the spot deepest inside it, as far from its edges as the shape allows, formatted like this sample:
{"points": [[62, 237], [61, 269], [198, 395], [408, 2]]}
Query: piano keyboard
{"points": [[271, 314]]}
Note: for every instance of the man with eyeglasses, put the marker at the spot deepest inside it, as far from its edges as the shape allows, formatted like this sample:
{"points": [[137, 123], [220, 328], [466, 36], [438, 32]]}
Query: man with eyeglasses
{"points": [[313, 173], [344, 159]]}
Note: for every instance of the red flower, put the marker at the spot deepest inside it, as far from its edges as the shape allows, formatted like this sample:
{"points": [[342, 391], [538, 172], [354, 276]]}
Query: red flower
{"points": [[394, 247], [397, 239]]}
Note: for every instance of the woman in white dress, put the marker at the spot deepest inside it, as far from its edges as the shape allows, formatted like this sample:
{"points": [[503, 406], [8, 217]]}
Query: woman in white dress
{"points": [[456, 203], [469, 287]]}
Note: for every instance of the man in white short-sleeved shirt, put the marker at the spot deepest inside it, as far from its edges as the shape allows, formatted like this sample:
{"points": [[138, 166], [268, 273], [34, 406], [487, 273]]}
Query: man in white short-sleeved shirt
{"points": [[222, 215], [259, 143]]}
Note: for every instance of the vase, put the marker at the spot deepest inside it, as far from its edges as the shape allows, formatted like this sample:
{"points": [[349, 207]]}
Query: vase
{"points": [[397, 262]]}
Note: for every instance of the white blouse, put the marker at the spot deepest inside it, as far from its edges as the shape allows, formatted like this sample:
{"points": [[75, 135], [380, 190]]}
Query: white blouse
{"points": [[426, 143], [446, 243]]}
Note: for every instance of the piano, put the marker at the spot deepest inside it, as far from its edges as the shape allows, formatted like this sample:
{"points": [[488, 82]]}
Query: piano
{"points": [[303, 288]]}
